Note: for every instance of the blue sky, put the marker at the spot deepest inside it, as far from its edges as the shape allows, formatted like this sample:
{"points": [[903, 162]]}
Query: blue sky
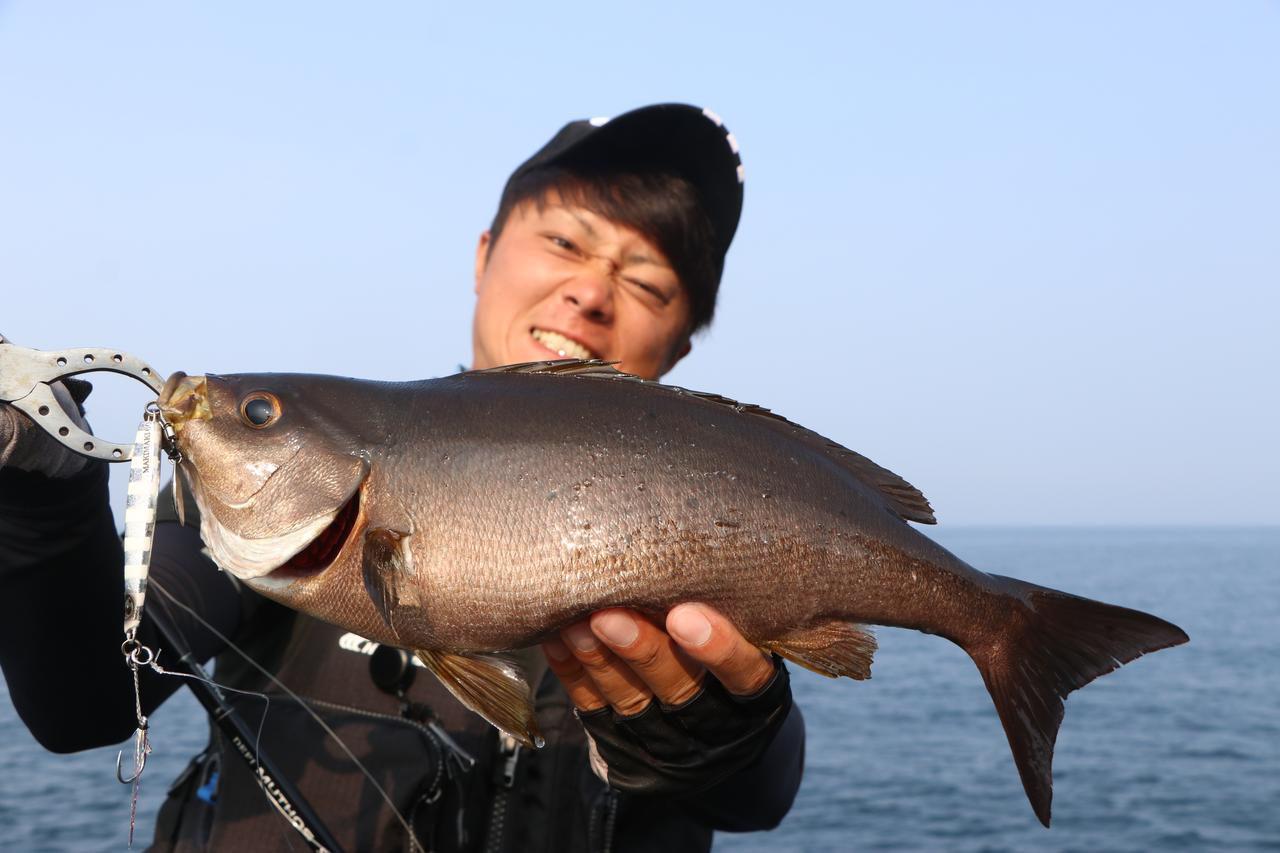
{"points": [[1023, 254]]}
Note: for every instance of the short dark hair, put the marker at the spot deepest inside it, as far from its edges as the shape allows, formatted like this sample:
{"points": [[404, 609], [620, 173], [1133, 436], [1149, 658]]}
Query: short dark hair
{"points": [[662, 206]]}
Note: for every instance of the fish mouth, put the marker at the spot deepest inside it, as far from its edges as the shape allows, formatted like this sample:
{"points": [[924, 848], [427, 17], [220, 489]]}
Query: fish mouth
{"points": [[305, 551], [184, 398], [324, 550], [562, 344]]}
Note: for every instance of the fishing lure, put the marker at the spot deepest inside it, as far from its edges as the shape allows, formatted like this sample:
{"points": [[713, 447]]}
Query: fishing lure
{"points": [[139, 534]]}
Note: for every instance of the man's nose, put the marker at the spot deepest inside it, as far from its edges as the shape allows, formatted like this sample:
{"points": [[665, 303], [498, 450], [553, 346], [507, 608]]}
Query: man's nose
{"points": [[591, 290]]}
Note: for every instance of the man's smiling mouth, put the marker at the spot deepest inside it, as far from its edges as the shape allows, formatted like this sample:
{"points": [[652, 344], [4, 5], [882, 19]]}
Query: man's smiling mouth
{"points": [[558, 343]]}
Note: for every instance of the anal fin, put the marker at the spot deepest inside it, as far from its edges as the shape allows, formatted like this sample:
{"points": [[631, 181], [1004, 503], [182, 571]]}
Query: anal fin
{"points": [[493, 686], [833, 648]]}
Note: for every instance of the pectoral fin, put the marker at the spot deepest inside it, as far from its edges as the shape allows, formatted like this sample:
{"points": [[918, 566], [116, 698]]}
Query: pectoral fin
{"points": [[386, 562], [493, 686], [832, 648]]}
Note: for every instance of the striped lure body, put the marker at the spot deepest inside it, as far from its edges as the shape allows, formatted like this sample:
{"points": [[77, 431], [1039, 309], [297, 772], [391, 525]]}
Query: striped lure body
{"points": [[140, 519]]}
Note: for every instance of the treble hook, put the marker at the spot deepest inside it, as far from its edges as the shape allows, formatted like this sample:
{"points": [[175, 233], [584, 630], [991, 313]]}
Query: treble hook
{"points": [[141, 749]]}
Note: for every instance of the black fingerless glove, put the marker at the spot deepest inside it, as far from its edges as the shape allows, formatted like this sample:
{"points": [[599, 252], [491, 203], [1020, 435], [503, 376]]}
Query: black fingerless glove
{"points": [[688, 748]]}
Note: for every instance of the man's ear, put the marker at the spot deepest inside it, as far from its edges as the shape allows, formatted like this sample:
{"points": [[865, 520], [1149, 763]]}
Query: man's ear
{"points": [[680, 353], [482, 257]]}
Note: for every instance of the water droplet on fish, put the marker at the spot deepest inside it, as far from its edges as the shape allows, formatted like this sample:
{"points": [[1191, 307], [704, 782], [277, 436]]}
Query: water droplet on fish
{"points": [[539, 741], [639, 487]]}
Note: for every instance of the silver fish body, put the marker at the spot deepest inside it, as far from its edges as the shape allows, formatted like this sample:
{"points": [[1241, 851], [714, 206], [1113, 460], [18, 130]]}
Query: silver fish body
{"points": [[481, 512]]}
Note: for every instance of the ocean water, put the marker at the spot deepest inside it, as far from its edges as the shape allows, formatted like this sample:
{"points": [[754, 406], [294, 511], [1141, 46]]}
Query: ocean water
{"points": [[1179, 750]]}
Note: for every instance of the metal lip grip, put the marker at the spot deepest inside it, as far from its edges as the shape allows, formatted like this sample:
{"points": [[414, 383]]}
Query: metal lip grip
{"points": [[25, 377]]}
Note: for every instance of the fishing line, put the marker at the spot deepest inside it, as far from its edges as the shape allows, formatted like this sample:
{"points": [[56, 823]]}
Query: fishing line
{"points": [[413, 839], [160, 670], [154, 435], [279, 790], [197, 675], [155, 666]]}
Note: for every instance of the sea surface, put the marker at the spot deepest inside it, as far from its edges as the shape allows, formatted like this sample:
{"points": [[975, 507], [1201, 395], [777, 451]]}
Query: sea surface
{"points": [[1179, 750]]}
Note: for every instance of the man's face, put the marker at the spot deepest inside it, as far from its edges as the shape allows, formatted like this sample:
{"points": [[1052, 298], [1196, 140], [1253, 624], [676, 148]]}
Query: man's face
{"points": [[563, 282]]}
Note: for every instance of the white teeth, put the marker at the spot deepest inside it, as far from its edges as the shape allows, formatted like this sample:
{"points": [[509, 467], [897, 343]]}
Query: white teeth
{"points": [[564, 347]]}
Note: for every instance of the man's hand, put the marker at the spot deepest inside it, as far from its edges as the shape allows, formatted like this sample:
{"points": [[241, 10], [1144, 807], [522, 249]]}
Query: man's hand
{"points": [[656, 722], [621, 658], [25, 446]]}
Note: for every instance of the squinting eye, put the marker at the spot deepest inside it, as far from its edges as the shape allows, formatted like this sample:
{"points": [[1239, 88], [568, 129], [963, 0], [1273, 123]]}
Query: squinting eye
{"points": [[650, 290], [259, 410]]}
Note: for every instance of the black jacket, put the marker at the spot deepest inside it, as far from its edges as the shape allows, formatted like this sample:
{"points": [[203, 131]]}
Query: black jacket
{"points": [[60, 558]]}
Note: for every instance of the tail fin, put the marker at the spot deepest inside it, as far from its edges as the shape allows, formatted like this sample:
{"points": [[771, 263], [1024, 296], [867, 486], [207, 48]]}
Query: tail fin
{"points": [[1057, 644]]}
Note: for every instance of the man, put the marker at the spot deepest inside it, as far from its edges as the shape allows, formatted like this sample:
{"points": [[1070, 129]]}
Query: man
{"points": [[609, 242]]}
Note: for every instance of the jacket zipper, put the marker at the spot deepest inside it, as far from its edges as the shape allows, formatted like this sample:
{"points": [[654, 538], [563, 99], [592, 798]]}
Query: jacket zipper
{"points": [[504, 781], [602, 821], [610, 821]]}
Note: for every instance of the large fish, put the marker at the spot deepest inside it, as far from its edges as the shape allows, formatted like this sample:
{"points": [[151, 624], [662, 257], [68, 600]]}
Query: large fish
{"points": [[478, 513]]}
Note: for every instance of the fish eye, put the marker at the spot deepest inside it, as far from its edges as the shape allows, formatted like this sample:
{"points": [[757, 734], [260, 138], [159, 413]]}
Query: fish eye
{"points": [[259, 409]]}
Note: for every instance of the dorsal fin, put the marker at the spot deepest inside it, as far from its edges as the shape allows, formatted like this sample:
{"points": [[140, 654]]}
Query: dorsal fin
{"points": [[567, 366], [904, 499]]}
